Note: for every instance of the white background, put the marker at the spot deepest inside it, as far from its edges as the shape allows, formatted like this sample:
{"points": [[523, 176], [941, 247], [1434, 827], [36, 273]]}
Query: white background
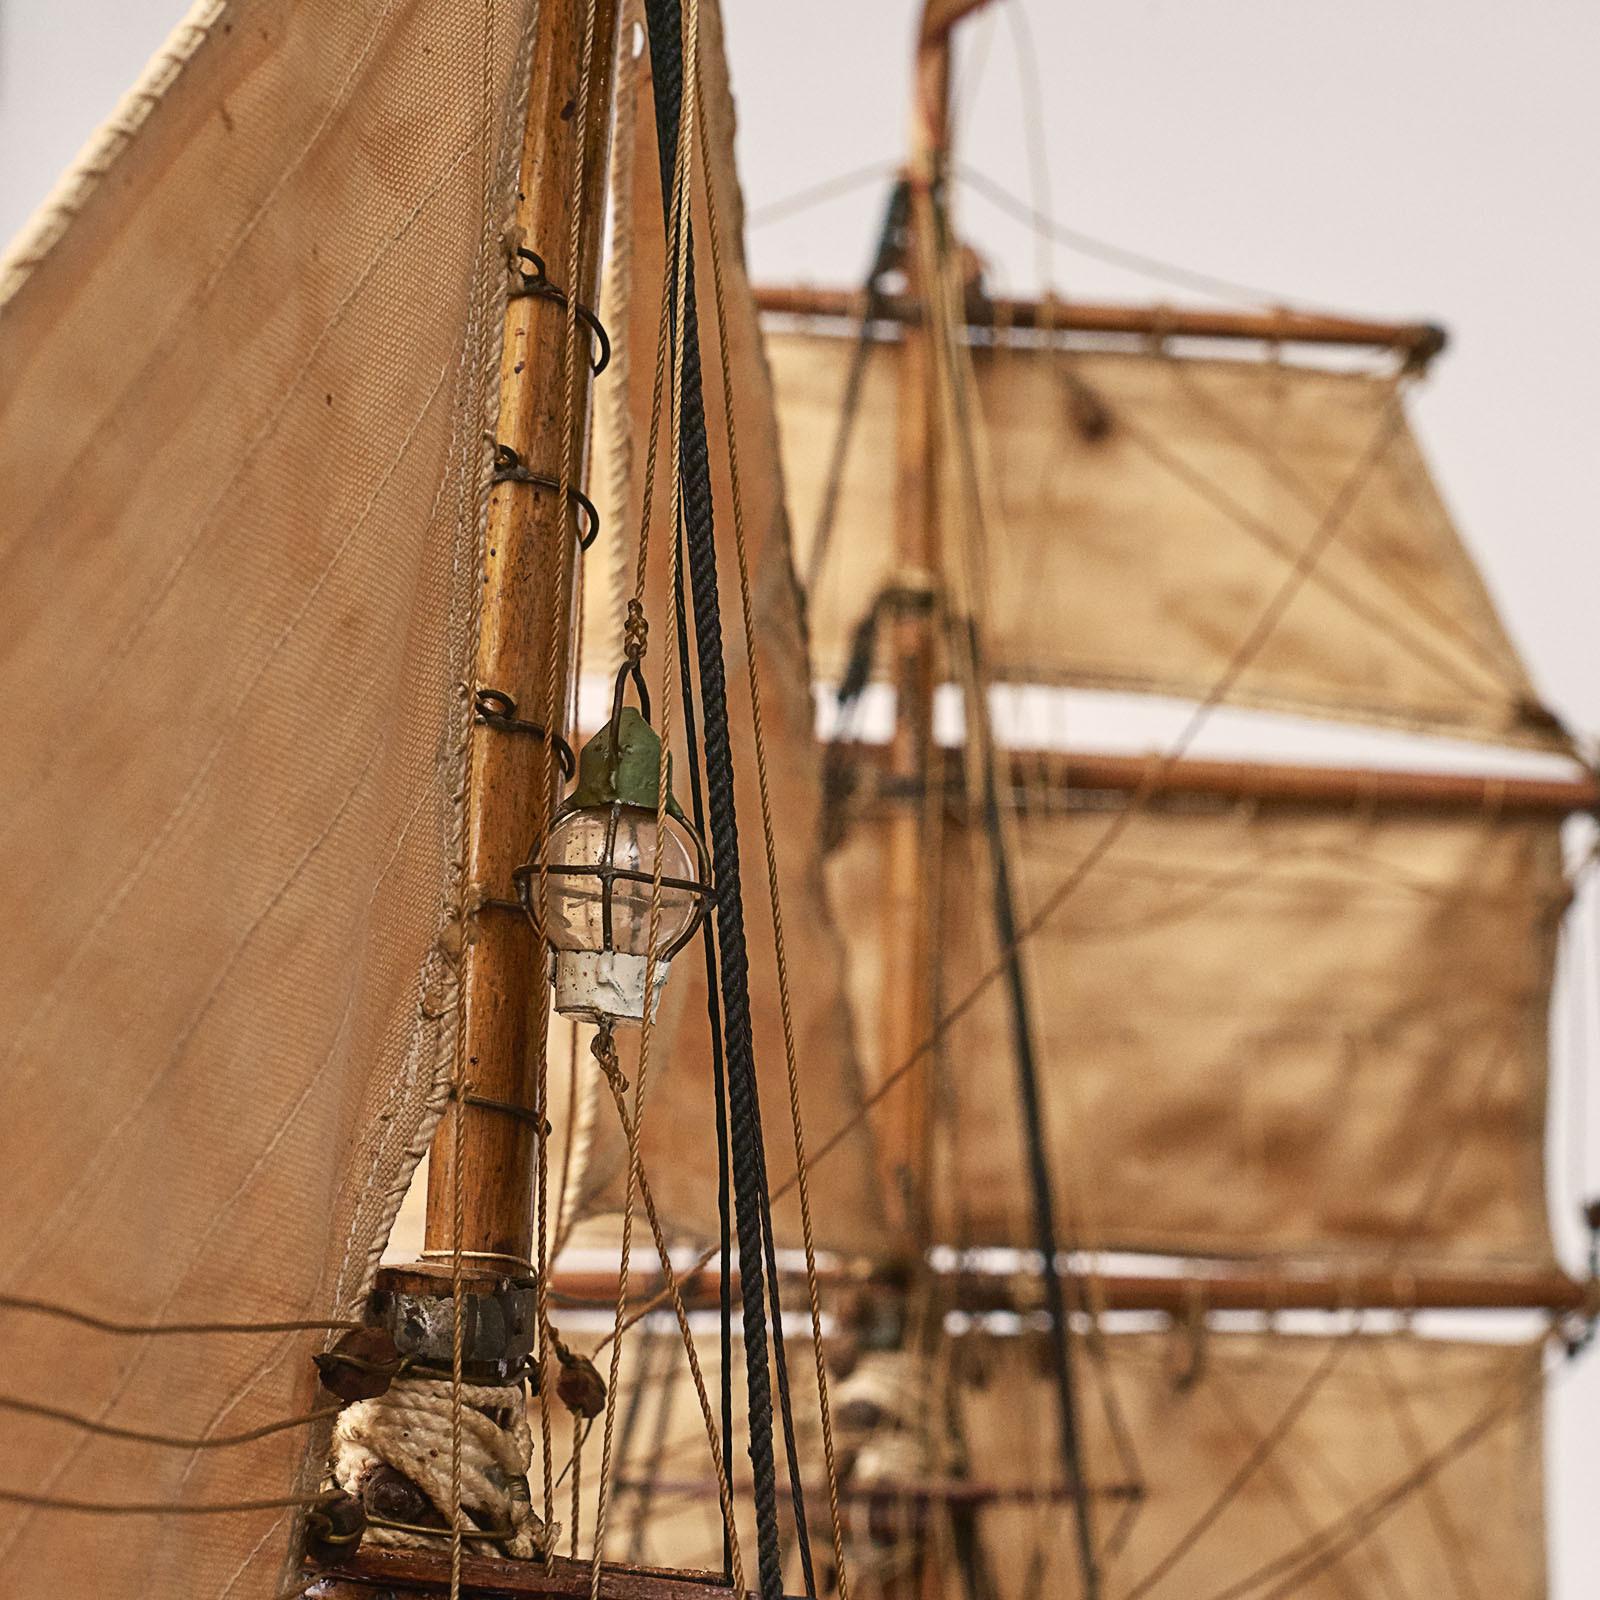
{"points": [[1430, 158]]}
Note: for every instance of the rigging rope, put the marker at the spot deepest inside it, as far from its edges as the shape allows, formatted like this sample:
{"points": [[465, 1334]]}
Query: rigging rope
{"points": [[1068, 885], [145, 1330], [888, 251], [560, 596], [673, 87], [677, 281], [934, 270], [785, 1007], [719, 1079], [664, 1255], [1313, 1555], [212, 1441], [1088, 244]]}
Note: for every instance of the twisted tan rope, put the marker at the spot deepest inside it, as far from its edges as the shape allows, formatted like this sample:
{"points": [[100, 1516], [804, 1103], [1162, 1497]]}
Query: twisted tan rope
{"points": [[205, 1441], [769, 842], [145, 1330], [553, 656], [458, 1203], [680, 204], [674, 1293]]}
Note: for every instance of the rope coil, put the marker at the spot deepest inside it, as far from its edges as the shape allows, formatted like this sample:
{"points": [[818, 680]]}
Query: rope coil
{"points": [[409, 1429]]}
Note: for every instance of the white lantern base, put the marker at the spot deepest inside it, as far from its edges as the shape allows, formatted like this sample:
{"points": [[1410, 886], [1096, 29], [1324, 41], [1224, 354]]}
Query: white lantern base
{"points": [[605, 985]]}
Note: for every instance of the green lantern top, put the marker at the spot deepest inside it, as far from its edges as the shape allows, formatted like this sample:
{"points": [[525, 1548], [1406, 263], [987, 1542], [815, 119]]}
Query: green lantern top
{"points": [[622, 764]]}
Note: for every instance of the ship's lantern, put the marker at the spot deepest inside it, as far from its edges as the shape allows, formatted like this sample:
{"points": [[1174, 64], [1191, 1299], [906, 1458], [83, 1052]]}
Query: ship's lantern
{"points": [[598, 867]]}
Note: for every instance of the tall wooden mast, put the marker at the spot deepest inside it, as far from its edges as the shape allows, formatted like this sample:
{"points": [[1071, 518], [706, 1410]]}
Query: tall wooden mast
{"points": [[911, 848], [528, 590]]}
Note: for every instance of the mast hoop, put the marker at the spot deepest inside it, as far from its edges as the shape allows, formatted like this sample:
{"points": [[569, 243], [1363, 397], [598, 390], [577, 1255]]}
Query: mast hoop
{"points": [[494, 708], [537, 285], [509, 468]]}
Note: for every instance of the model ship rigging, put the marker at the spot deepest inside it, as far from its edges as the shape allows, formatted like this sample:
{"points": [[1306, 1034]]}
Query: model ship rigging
{"points": [[315, 573]]}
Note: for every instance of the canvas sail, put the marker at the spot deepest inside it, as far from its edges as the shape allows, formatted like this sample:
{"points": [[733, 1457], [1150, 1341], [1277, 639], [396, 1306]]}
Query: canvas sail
{"points": [[678, 1144], [1159, 501], [247, 352], [1270, 1031], [1401, 1466], [1455, 1425]]}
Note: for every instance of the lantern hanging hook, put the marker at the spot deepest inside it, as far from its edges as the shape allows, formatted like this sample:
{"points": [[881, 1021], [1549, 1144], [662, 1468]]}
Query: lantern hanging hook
{"points": [[630, 670]]}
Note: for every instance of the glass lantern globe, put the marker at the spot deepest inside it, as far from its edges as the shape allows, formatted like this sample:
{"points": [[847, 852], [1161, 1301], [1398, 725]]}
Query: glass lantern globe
{"points": [[598, 868]]}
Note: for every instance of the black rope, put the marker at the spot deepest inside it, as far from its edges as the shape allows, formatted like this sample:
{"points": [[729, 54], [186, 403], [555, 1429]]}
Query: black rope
{"points": [[780, 1365], [888, 254], [719, 1082], [1044, 1213], [663, 18], [780, 1361]]}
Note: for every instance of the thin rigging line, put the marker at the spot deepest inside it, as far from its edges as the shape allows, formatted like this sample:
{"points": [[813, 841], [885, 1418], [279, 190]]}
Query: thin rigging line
{"points": [[1262, 1452], [1445, 1530], [675, 284], [49, 1308], [955, 393], [1027, 56], [1087, 244], [1313, 1555], [769, 842], [1415, 594], [1221, 500], [561, 593], [157, 1508], [215, 1441], [664, 1255], [1222, 1395], [1433, 1187], [1246, 652], [816, 194]]}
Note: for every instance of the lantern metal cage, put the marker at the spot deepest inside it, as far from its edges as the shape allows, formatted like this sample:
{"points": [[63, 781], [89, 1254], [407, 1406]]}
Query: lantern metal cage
{"points": [[591, 877]]}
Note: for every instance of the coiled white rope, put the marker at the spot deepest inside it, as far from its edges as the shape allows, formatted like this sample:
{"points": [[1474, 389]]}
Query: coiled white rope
{"points": [[408, 1429]]}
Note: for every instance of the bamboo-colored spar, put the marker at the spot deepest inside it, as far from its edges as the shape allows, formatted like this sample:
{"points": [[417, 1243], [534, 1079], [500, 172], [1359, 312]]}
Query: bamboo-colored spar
{"points": [[1256, 1288], [911, 845], [1052, 777], [1420, 341], [528, 581]]}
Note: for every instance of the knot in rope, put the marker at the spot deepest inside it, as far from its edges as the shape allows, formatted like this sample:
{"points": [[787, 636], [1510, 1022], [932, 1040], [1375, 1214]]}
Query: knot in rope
{"points": [[604, 1049], [635, 633]]}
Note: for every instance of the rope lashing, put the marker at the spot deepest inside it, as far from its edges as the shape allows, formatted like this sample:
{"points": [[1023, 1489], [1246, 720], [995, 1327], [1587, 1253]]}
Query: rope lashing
{"points": [[408, 1430]]}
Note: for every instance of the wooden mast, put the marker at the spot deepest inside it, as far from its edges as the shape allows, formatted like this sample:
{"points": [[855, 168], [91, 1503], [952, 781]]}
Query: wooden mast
{"points": [[912, 846], [528, 588]]}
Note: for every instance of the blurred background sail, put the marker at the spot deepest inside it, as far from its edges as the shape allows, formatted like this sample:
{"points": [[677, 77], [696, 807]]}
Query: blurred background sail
{"points": [[1149, 504]]}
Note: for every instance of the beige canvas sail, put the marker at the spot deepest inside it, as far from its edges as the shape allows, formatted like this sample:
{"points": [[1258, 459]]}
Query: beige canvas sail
{"points": [[1149, 506], [1448, 1432], [1402, 1466], [244, 358], [679, 1142], [1274, 1031]]}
